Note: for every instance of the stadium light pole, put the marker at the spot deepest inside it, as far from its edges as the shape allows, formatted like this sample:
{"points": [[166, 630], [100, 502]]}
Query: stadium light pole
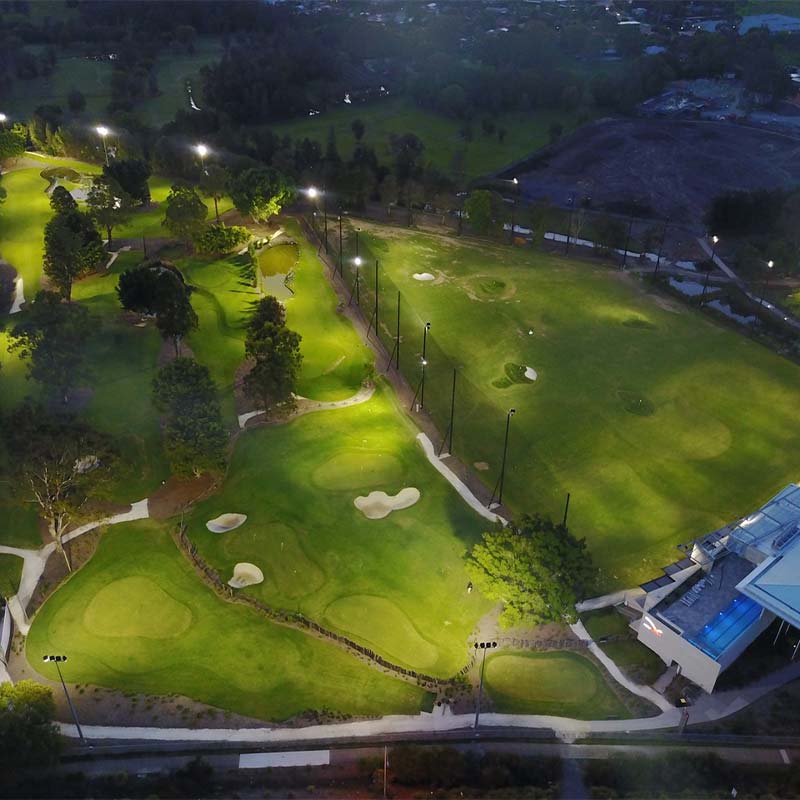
{"points": [[483, 646], [571, 204], [357, 262], [202, 151], [314, 193], [770, 265], [661, 248], [57, 661], [502, 478], [341, 265], [423, 363], [3, 120], [358, 230], [102, 132], [715, 241], [448, 435]]}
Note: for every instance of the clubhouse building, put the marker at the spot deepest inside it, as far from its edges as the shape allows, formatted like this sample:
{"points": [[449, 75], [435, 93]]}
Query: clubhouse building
{"points": [[705, 610]]}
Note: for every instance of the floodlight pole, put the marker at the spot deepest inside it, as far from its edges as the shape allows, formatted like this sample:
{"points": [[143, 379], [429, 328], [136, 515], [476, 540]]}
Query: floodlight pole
{"points": [[56, 660], [569, 225], [661, 248], [502, 478], [396, 347], [627, 243], [325, 214], [513, 210], [341, 267], [423, 362], [566, 511], [484, 646], [376, 299], [449, 432]]}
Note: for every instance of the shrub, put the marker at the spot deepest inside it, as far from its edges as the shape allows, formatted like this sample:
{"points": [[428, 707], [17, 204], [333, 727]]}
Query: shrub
{"points": [[219, 238]]}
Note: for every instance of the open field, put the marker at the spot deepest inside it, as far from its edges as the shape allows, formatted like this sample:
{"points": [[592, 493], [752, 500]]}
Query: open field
{"points": [[558, 684], [397, 584], [10, 573], [137, 618], [526, 132], [662, 424]]}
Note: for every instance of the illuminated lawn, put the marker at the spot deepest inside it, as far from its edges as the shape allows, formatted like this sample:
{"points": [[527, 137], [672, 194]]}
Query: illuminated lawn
{"points": [[396, 584], [10, 573], [137, 618], [661, 423], [556, 684]]}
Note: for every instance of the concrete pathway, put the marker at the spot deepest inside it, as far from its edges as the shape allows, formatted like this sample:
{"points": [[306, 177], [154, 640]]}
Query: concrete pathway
{"points": [[19, 296], [138, 510], [307, 406], [115, 255], [455, 481], [606, 600], [646, 692]]}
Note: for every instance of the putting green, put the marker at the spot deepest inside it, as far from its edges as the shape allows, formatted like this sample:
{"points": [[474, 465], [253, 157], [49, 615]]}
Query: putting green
{"points": [[384, 626], [136, 606], [556, 684], [280, 259], [660, 423], [227, 655], [357, 469]]}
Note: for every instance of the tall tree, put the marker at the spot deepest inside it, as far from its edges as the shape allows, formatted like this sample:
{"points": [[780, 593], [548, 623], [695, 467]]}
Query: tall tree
{"points": [[60, 463], [109, 204], [184, 213], [195, 436], [52, 336], [213, 184], [61, 201], [537, 569], [358, 127], [131, 174], [72, 248], [478, 208], [275, 353], [175, 317], [260, 192], [29, 736]]}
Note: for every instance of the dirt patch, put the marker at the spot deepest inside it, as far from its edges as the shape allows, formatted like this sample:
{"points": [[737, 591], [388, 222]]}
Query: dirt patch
{"points": [[167, 352], [481, 466], [177, 494]]}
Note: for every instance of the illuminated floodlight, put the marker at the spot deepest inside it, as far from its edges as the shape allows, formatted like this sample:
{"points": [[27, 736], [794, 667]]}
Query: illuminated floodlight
{"points": [[102, 130]]}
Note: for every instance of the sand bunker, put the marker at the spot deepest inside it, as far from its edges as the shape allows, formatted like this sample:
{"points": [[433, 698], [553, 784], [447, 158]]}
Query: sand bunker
{"points": [[377, 505], [226, 522], [530, 373], [423, 276], [245, 574]]}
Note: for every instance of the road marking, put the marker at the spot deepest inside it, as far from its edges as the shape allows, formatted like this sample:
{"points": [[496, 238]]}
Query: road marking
{"points": [[296, 758], [785, 757]]}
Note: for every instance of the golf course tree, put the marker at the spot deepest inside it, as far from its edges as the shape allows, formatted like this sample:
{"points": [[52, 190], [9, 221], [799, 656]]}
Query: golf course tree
{"points": [[535, 567], [51, 336], [274, 352], [29, 736], [72, 246], [131, 175], [12, 142], [60, 463], [184, 213], [109, 204], [157, 288], [219, 238], [195, 437], [479, 209], [260, 192], [213, 184]]}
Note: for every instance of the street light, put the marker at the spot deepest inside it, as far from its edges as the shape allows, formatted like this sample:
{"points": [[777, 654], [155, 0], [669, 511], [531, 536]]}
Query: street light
{"points": [[715, 241], [102, 132], [3, 119], [202, 151], [483, 646], [57, 660], [423, 363], [770, 265], [501, 479]]}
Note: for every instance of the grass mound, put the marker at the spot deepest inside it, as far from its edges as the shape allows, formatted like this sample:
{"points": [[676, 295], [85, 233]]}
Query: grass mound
{"points": [[514, 373], [136, 606], [640, 323], [61, 173], [635, 403], [356, 469], [562, 684]]}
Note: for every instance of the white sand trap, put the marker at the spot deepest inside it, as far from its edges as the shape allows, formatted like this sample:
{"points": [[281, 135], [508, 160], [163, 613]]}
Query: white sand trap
{"points": [[531, 374], [226, 522], [423, 276], [377, 505], [245, 574]]}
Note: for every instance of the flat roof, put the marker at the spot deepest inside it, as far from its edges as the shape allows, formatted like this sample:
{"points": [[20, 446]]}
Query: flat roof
{"points": [[775, 584], [701, 605], [772, 527]]}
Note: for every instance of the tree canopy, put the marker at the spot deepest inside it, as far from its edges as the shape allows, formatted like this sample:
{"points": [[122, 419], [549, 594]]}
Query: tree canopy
{"points": [[195, 437], [536, 568], [260, 192], [131, 175], [109, 204], [184, 213]]}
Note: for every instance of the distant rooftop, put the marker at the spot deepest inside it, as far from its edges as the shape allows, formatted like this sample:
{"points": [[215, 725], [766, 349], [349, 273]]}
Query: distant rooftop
{"points": [[770, 529]]}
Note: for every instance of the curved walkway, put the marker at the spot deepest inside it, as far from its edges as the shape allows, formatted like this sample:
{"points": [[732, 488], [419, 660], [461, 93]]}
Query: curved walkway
{"points": [[306, 406]]}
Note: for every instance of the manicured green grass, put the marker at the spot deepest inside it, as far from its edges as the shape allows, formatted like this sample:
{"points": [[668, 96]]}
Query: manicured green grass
{"points": [[20, 525], [445, 148], [398, 584], [556, 684], [605, 622], [278, 260], [137, 618], [662, 424], [10, 574]]}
